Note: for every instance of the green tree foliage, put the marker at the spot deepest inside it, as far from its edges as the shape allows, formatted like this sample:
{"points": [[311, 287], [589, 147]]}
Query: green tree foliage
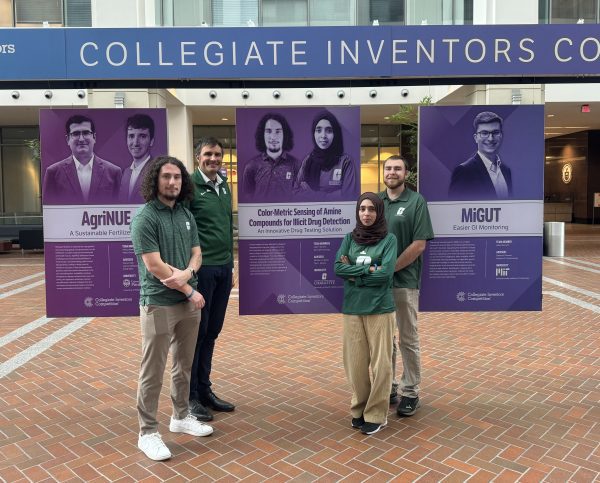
{"points": [[408, 116]]}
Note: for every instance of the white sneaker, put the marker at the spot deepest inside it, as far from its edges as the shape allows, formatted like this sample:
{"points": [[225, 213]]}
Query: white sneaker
{"points": [[153, 447], [190, 425]]}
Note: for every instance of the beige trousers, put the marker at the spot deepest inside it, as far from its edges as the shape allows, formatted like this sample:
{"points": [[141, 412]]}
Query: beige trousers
{"points": [[175, 326], [367, 341], [407, 304]]}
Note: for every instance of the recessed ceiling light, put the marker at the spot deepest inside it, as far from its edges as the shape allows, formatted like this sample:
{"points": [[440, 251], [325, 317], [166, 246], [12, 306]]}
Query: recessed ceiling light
{"points": [[387, 118], [550, 115], [224, 119]]}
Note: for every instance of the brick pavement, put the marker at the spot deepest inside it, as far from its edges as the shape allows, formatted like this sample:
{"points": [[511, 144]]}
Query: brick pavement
{"points": [[506, 396]]}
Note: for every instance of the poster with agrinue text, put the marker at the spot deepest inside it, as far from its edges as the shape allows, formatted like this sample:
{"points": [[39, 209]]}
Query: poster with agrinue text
{"points": [[298, 181], [93, 164], [481, 170]]}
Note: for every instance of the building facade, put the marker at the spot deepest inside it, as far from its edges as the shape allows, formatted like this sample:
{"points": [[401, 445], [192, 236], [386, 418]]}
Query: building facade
{"points": [[197, 112]]}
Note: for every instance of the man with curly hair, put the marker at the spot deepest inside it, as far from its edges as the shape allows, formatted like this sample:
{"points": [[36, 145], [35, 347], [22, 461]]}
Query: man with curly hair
{"points": [[165, 241], [271, 175]]}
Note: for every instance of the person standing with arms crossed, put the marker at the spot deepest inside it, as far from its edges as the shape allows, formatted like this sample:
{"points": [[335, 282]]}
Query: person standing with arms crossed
{"points": [[408, 218], [169, 302], [212, 211], [365, 260]]}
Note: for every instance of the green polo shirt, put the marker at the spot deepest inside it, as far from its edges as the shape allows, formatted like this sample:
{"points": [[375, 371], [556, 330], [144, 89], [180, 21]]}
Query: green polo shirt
{"points": [[408, 218], [365, 292], [213, 214], [170, 232]]}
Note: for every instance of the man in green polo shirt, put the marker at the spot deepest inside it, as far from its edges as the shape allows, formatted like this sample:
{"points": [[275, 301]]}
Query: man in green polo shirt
{"points": [[165, 241], [212, 210], [408, 218]]}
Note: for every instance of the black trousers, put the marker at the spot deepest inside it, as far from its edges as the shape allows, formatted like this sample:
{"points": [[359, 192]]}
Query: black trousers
{"points": [[214, 283]]}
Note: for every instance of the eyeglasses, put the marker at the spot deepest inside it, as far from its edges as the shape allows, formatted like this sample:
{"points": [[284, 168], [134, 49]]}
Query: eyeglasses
{"points": [[77, 134], [485, 134]]}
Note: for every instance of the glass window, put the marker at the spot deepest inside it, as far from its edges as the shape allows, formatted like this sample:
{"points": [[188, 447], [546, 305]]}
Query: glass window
{"points": [[234, 13], [164, 12], [369, 169], [439, 12], [332, 12], [570, 11], [190, 13], [284, 12], [369, 135], [389, 135], [36, 12], [378, 142], [20, 167], [78, 13], [182, 13], [419, 12], [543, 11], [387, 11], [463, 10]]}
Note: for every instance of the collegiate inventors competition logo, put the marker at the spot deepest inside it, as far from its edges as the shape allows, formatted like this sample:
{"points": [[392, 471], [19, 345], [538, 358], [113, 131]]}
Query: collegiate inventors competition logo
{"points": [[105, 301], [478, 296]]}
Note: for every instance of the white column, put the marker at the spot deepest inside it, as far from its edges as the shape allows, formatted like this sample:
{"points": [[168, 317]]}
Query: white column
{"points": [[181, 135]]}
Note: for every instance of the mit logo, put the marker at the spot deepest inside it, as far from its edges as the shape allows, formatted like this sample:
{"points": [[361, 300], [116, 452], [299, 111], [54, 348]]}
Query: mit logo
{"points": [[502, 271]]}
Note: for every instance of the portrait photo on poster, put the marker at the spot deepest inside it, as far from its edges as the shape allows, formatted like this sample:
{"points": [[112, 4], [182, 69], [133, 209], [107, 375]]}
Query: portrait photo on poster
{"points": [[469, 153], [297, 154], [97, 156]]}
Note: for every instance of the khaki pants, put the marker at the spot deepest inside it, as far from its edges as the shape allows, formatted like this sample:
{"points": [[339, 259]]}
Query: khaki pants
{"points": [[367, 340], [407, 303], [174, 326]]}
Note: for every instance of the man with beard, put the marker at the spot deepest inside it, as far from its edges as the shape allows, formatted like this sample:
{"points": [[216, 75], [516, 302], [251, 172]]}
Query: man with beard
{"points": [[408, 218], [483, 176], [165, 241], [212, 210], [140, 139], [271, 175]]}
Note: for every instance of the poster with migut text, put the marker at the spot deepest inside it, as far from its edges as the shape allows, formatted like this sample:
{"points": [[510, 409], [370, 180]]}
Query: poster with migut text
{"points": [[481, 170], [93, 163], [298, 182]]}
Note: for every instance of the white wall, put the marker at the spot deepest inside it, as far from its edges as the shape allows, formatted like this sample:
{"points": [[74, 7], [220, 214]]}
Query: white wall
{"points": [[180, 129], [122, 13], [505, 12]]}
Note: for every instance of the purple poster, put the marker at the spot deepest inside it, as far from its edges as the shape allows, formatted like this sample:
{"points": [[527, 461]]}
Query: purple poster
{"points": [[481, 170], [298, 181], [93, 162]]}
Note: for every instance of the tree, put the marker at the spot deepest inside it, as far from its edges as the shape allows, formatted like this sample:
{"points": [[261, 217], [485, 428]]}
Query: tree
{"points": [[408, 116], [34, 145]]}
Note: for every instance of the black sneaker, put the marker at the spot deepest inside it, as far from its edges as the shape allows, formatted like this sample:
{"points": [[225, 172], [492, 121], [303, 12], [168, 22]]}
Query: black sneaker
{"points": [[408, 406], [358, 422], [393, 397], [372, 428]]}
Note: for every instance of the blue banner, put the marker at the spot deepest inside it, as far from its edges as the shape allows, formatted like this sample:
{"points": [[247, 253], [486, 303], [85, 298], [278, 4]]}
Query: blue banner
{"points": [[299, 52]]}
